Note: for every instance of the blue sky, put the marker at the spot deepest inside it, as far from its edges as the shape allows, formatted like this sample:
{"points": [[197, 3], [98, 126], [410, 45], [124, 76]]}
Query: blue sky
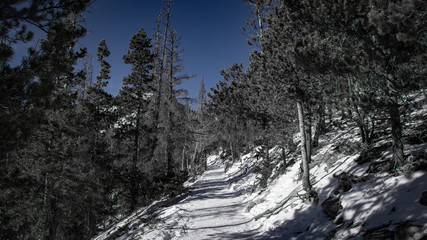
{"points": [[210, 31]]}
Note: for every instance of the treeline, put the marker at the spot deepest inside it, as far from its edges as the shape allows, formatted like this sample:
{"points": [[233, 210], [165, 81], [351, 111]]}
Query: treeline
{"points": [[73, 158], [316, 58]]}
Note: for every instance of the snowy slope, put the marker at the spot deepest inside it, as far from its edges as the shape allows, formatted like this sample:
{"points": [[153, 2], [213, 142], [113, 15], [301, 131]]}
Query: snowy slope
{"points": [[231, 206]]}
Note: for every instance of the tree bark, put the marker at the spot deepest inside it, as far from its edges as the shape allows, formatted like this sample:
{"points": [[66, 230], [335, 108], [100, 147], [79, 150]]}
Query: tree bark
{"points": [[304, 154], [308, 134], [134, 175], [396, 133], [320, 125]]}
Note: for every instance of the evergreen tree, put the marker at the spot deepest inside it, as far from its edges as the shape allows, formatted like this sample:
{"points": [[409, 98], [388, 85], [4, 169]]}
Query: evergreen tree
{"points": [[48, 206], [260, 10], [201, 98], [170, 117], [228, 106], [384, 40], [98, 117], [134, 97], [279, 65]]}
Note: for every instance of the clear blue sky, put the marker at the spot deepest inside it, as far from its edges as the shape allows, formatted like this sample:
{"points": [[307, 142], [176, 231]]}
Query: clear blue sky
{"points": [[210, 31]]}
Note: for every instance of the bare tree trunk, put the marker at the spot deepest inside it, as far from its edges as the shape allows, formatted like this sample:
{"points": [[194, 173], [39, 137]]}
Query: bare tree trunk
{"points": [[183, 161], [304, 154], [320, 125], [134, 182], [195, 152], [396, 133], [308, 137]]}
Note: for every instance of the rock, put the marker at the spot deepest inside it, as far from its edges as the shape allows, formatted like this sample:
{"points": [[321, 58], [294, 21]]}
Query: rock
{"points": [[380, 166], [403, 231], [313, 197], [423, 199], [330, 235], [339, 220], [372, 153], [407, 231], [378, 233], [332, 207], [381, 234], [345, 180]]}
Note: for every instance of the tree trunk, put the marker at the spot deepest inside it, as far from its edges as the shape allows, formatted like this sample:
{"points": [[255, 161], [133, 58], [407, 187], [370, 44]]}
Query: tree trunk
{"points": [[396, 133], [134, 172], [320, 125], [196, 147], [53, 221], [304, 154], [184, 163], [308, 134], [330, 115]]}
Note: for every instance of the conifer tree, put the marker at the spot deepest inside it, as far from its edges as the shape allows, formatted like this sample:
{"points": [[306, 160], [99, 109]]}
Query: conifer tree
{"points": [[134, 97], [260, 10], [384, 40], [227, 105], [98, 117], [169, 112], [279, 60], [48, 206]]}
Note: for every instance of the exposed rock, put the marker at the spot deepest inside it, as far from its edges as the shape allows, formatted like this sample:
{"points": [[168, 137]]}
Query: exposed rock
{"points": [[372, 153], [313, 197], [407, 231], [332, 206], [381, 234], [339, 220], [381, 166], [330, 235], [345, 180], [423, 199], [403, 231], [378, 233]]}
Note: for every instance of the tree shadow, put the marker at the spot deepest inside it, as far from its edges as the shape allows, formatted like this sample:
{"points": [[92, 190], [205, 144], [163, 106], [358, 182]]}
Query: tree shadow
{"points": [[367, 205], [248, 234]]}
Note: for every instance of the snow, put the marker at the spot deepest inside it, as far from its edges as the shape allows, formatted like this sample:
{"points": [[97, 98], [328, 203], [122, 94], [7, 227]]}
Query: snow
{"points": [[229, 205]]}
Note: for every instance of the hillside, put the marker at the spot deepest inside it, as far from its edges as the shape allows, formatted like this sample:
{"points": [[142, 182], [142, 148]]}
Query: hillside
{"points": [[358, 199]]}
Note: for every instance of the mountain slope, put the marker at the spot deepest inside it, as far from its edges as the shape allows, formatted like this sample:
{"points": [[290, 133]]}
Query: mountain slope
{"points": [[357, 200]]}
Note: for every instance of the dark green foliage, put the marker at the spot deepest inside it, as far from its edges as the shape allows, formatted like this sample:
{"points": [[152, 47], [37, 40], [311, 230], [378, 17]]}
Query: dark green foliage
{"points": [[72, 157], [228, 107], [383, 40], [105, 66], [41, 172], [265, 168], [359, 58], [134, 133]]}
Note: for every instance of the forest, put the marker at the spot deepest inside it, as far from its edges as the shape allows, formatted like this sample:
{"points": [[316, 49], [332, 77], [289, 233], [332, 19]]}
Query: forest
{"points": [[74, 159]]}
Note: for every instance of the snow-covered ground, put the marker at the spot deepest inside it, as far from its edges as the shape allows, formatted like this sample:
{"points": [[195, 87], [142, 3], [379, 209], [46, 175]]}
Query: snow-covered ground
{"points": [[211, 210], [231, 205]]}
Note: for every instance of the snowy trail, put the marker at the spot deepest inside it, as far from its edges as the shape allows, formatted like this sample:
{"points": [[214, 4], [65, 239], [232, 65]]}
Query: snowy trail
{"points": [[211, 211]]}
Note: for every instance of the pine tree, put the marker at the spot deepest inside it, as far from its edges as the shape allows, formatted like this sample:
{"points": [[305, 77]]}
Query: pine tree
{"points": [[201, 98], [134, 99], [170, 117], [260, 10], [228, 106], [98, 117], [103, 52], [383, 40], [280, 66], [46, 164]]}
